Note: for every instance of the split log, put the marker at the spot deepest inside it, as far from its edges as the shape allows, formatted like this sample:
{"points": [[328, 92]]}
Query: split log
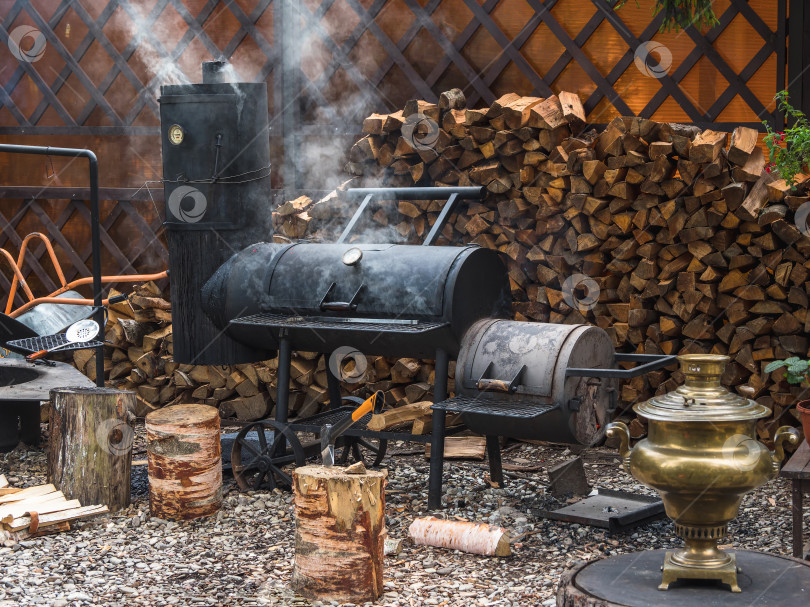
{"points": [[185, 465], [339, 533], [246, 408], [454, 99], [475, 538], [743, 142], [401, 415], [90, 445], [462, 447]]}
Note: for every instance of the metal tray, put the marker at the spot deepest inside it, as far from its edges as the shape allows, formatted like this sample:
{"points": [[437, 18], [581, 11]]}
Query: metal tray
{"points": [[29, 345], [616, 511]]}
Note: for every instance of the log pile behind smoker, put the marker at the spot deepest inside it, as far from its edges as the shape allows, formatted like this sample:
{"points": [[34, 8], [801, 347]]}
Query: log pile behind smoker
{"points": [[692, 244]]}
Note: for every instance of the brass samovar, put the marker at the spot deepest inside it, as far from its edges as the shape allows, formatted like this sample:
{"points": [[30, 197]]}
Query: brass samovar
{"points": [[702, 456]]}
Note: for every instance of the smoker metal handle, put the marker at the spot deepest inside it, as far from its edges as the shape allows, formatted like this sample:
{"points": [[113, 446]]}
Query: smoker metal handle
{"points": [[650, 362], [451, 195], [486, 384], [341, 306]]}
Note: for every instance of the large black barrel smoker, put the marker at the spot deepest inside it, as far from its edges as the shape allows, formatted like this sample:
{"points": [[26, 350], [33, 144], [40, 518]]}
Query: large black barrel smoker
{"points": [[376, 299]]}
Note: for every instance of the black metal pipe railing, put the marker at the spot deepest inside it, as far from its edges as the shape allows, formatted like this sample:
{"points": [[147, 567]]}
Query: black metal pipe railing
{"points": [[428, 193], [95, 234], [650, 362], [452, 195]]}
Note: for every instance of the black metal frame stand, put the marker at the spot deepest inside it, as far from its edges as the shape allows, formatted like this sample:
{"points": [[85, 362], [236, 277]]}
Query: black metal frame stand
{"points": [[437, 433], [95, 236], [436, 437], [648, 362], [453, 196]]}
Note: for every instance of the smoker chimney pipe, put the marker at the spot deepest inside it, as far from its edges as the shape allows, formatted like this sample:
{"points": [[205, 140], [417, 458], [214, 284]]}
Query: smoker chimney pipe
{"points": [[213, 72]]}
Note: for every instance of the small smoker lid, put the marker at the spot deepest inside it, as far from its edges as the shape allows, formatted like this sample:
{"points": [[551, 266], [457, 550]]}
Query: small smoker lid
{"points": [[499, 349], [400, 281]]}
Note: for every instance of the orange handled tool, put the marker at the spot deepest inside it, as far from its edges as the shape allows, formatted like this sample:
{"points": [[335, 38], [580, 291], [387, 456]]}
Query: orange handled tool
{"points": [[370, 404], [374, 403], [78, 332]]}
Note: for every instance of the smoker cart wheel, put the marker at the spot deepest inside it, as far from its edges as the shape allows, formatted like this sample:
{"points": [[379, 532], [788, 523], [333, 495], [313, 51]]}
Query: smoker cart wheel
{"points": [[370, 451], [262, 466]]}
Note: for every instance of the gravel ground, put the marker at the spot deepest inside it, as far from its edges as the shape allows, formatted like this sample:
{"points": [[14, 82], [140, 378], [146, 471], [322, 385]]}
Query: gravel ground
{"points": [[244, 555]]}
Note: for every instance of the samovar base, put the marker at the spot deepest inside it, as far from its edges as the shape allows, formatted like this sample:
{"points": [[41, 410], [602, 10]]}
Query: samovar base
{"points": [[673, 571]]}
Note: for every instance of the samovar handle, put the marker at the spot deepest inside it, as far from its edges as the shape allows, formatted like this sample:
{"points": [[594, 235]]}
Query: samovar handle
{"points": [[622, 432], [785, 434]]}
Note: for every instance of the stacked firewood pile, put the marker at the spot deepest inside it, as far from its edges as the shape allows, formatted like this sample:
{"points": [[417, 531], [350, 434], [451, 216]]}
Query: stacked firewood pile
{"points": [[36, 511], [671, 238], [138, 357]]}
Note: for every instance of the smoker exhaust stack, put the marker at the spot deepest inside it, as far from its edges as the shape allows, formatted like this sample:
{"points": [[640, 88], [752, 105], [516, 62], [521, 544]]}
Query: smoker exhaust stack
{"points": [[216, 159], [213, 72]]}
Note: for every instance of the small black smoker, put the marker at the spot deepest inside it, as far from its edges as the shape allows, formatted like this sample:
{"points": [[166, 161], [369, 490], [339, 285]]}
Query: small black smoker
{"points": [[216, 171]]}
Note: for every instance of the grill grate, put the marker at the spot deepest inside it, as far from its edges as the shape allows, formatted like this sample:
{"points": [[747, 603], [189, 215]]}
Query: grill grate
{"points": [[48, 342], [314, 423], [266, 319], [511, 407]]}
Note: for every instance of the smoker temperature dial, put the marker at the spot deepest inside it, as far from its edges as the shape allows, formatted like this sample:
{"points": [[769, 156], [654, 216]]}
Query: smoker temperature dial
{"points": [[176, 134], [352, 256]]}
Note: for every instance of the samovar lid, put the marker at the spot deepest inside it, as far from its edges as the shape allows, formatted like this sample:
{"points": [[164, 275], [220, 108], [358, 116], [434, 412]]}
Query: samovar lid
{"points": [[702, 397]]}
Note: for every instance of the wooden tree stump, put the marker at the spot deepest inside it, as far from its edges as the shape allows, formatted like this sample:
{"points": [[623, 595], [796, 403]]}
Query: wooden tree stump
{"points": [[90, 445], [632, 579], [185, 462], [339, 533]]}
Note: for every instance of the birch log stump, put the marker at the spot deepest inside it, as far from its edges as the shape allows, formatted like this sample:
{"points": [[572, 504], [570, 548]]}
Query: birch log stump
{"points": [[339, 533], [90, 445], [185, 462]]}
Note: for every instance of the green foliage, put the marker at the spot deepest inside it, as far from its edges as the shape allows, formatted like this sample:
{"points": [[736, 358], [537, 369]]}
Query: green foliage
{"points": [[680, 14], [796, 369], [788, 150]]}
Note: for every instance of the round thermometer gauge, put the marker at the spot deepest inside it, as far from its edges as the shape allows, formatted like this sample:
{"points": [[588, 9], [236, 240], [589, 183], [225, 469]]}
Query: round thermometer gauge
{"points": [[352, 256], [176, 134]]}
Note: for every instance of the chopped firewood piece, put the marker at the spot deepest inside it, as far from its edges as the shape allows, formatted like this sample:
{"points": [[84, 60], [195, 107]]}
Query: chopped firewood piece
{"points": [[399, 415], [706, 146], [475, 538], [462, 447], [572, 107], [743, 142]]}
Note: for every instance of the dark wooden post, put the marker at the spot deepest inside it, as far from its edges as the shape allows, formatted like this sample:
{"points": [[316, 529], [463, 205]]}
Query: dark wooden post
{"points": [[90, 445], [798, 79]]}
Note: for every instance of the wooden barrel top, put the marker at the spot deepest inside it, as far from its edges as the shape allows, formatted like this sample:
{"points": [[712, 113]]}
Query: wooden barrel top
{"points": [[631, 580], [183, 415]]}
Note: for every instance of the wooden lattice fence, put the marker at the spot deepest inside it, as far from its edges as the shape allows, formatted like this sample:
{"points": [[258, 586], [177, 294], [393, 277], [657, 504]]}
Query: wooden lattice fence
{"points": [[94, 82]]}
